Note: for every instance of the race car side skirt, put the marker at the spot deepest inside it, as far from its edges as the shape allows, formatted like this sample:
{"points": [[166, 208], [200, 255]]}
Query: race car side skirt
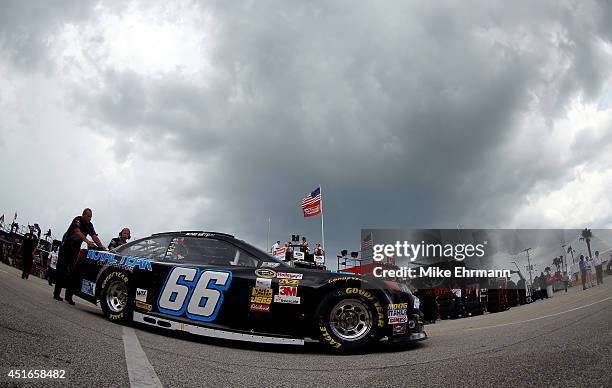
{"points": [[215, 333]]}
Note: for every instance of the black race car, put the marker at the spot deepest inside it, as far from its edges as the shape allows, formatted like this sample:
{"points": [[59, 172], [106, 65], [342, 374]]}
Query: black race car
{"points": [[215, 285]]}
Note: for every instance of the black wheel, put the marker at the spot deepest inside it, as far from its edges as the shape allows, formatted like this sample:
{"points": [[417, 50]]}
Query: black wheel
{"points": [[116, 297], [349, 319]]}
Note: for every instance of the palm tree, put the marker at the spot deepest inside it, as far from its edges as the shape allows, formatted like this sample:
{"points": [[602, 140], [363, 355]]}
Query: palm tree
{"points": [[586, 236], [571, 250], [557, 261]]}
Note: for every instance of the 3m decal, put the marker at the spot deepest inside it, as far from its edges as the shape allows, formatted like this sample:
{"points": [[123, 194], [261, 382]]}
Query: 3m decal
{"points": [[197, 294], [287, 275], [263, 283], [265, 273], [288, 282], [144, 306], [287, 291], [141, 295], [88, 287]]}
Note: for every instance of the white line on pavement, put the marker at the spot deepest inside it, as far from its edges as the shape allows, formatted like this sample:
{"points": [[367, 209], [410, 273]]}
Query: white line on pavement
{"points": [[545, 316], [140, 371]]}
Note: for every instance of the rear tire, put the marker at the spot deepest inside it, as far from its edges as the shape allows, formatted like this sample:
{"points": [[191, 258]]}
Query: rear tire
{"points": [[116, 297], [349, 320]]}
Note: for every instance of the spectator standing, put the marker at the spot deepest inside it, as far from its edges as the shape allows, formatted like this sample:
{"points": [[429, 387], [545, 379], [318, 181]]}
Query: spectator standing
{"points": [[53, 255], [28, 249], [598, 268], [77, 233], [590, 269], [304, 246], [583, 271], [288, 251], [275, 246]]}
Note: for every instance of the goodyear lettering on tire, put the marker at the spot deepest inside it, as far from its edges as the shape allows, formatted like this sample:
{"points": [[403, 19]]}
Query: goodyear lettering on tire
{"points": [[368, 295], [108, 278]]}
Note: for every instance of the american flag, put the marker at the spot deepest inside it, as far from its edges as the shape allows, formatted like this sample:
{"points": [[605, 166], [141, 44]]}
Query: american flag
{"points": [[311, 204], [366, 243]]}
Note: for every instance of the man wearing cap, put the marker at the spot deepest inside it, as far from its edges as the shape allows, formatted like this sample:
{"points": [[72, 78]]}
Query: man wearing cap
{"points": [[77, 233]]}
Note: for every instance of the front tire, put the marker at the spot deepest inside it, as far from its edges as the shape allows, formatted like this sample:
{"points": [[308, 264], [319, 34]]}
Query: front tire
{"points": [[349, 319], [116, 297]]}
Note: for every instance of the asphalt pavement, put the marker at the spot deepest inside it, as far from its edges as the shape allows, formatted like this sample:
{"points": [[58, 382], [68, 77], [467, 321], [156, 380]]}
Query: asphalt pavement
{"points": [[562, 341]]}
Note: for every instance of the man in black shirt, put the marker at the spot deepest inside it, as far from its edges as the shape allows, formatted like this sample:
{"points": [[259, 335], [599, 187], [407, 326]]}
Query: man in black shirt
{"points": [[124, 235], [28, 248], [77, 233]]}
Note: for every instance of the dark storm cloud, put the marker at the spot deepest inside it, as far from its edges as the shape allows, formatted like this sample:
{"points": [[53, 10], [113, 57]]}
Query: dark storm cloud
{"points": [[402, 111]]}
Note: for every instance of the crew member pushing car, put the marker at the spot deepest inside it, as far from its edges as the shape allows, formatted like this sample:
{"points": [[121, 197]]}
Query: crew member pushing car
{"points": [[77, 233], [124, 235]]}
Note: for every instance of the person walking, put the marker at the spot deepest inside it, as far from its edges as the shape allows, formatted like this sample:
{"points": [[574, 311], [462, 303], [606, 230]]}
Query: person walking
{"points": [[598, 268], [77, 233], [53, 255], [28, 249], [583, 271]]}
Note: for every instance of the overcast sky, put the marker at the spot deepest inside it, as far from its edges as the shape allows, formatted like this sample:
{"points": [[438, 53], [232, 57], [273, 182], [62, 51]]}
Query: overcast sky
{"points": [[216, 115]]}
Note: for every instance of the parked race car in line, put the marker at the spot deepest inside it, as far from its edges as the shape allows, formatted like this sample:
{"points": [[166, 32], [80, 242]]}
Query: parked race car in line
{"points": [[213, 284]]}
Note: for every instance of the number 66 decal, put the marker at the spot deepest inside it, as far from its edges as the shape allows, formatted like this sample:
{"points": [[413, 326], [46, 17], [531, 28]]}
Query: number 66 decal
{"points": [[196, 293]]}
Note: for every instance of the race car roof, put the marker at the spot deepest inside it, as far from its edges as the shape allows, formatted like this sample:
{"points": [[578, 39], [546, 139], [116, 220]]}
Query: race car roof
{"points": [[196, 233]]}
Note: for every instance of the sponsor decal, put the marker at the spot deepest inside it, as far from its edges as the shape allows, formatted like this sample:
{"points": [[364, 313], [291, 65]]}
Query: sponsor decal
{"points": [[399, 329], [287, 299], [298, 255], [261, 292], [270, 264], [261, 296], [88, 288], [342, 279], [263, 283], [128, 262], [396, 320], [260, 307], [265, 273], [288, 282], [397, 313], [287, 291], [394, 306], [199, 234], [287, 275], [328, 338], [143, 306], [141, 295]]}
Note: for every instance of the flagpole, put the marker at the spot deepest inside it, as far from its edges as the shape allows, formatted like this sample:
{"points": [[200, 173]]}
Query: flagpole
{"points": [[268, 239], [322, 231]]}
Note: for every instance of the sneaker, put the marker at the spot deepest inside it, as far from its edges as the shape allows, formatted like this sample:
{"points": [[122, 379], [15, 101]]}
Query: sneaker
{"points": [[57, 298]]}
